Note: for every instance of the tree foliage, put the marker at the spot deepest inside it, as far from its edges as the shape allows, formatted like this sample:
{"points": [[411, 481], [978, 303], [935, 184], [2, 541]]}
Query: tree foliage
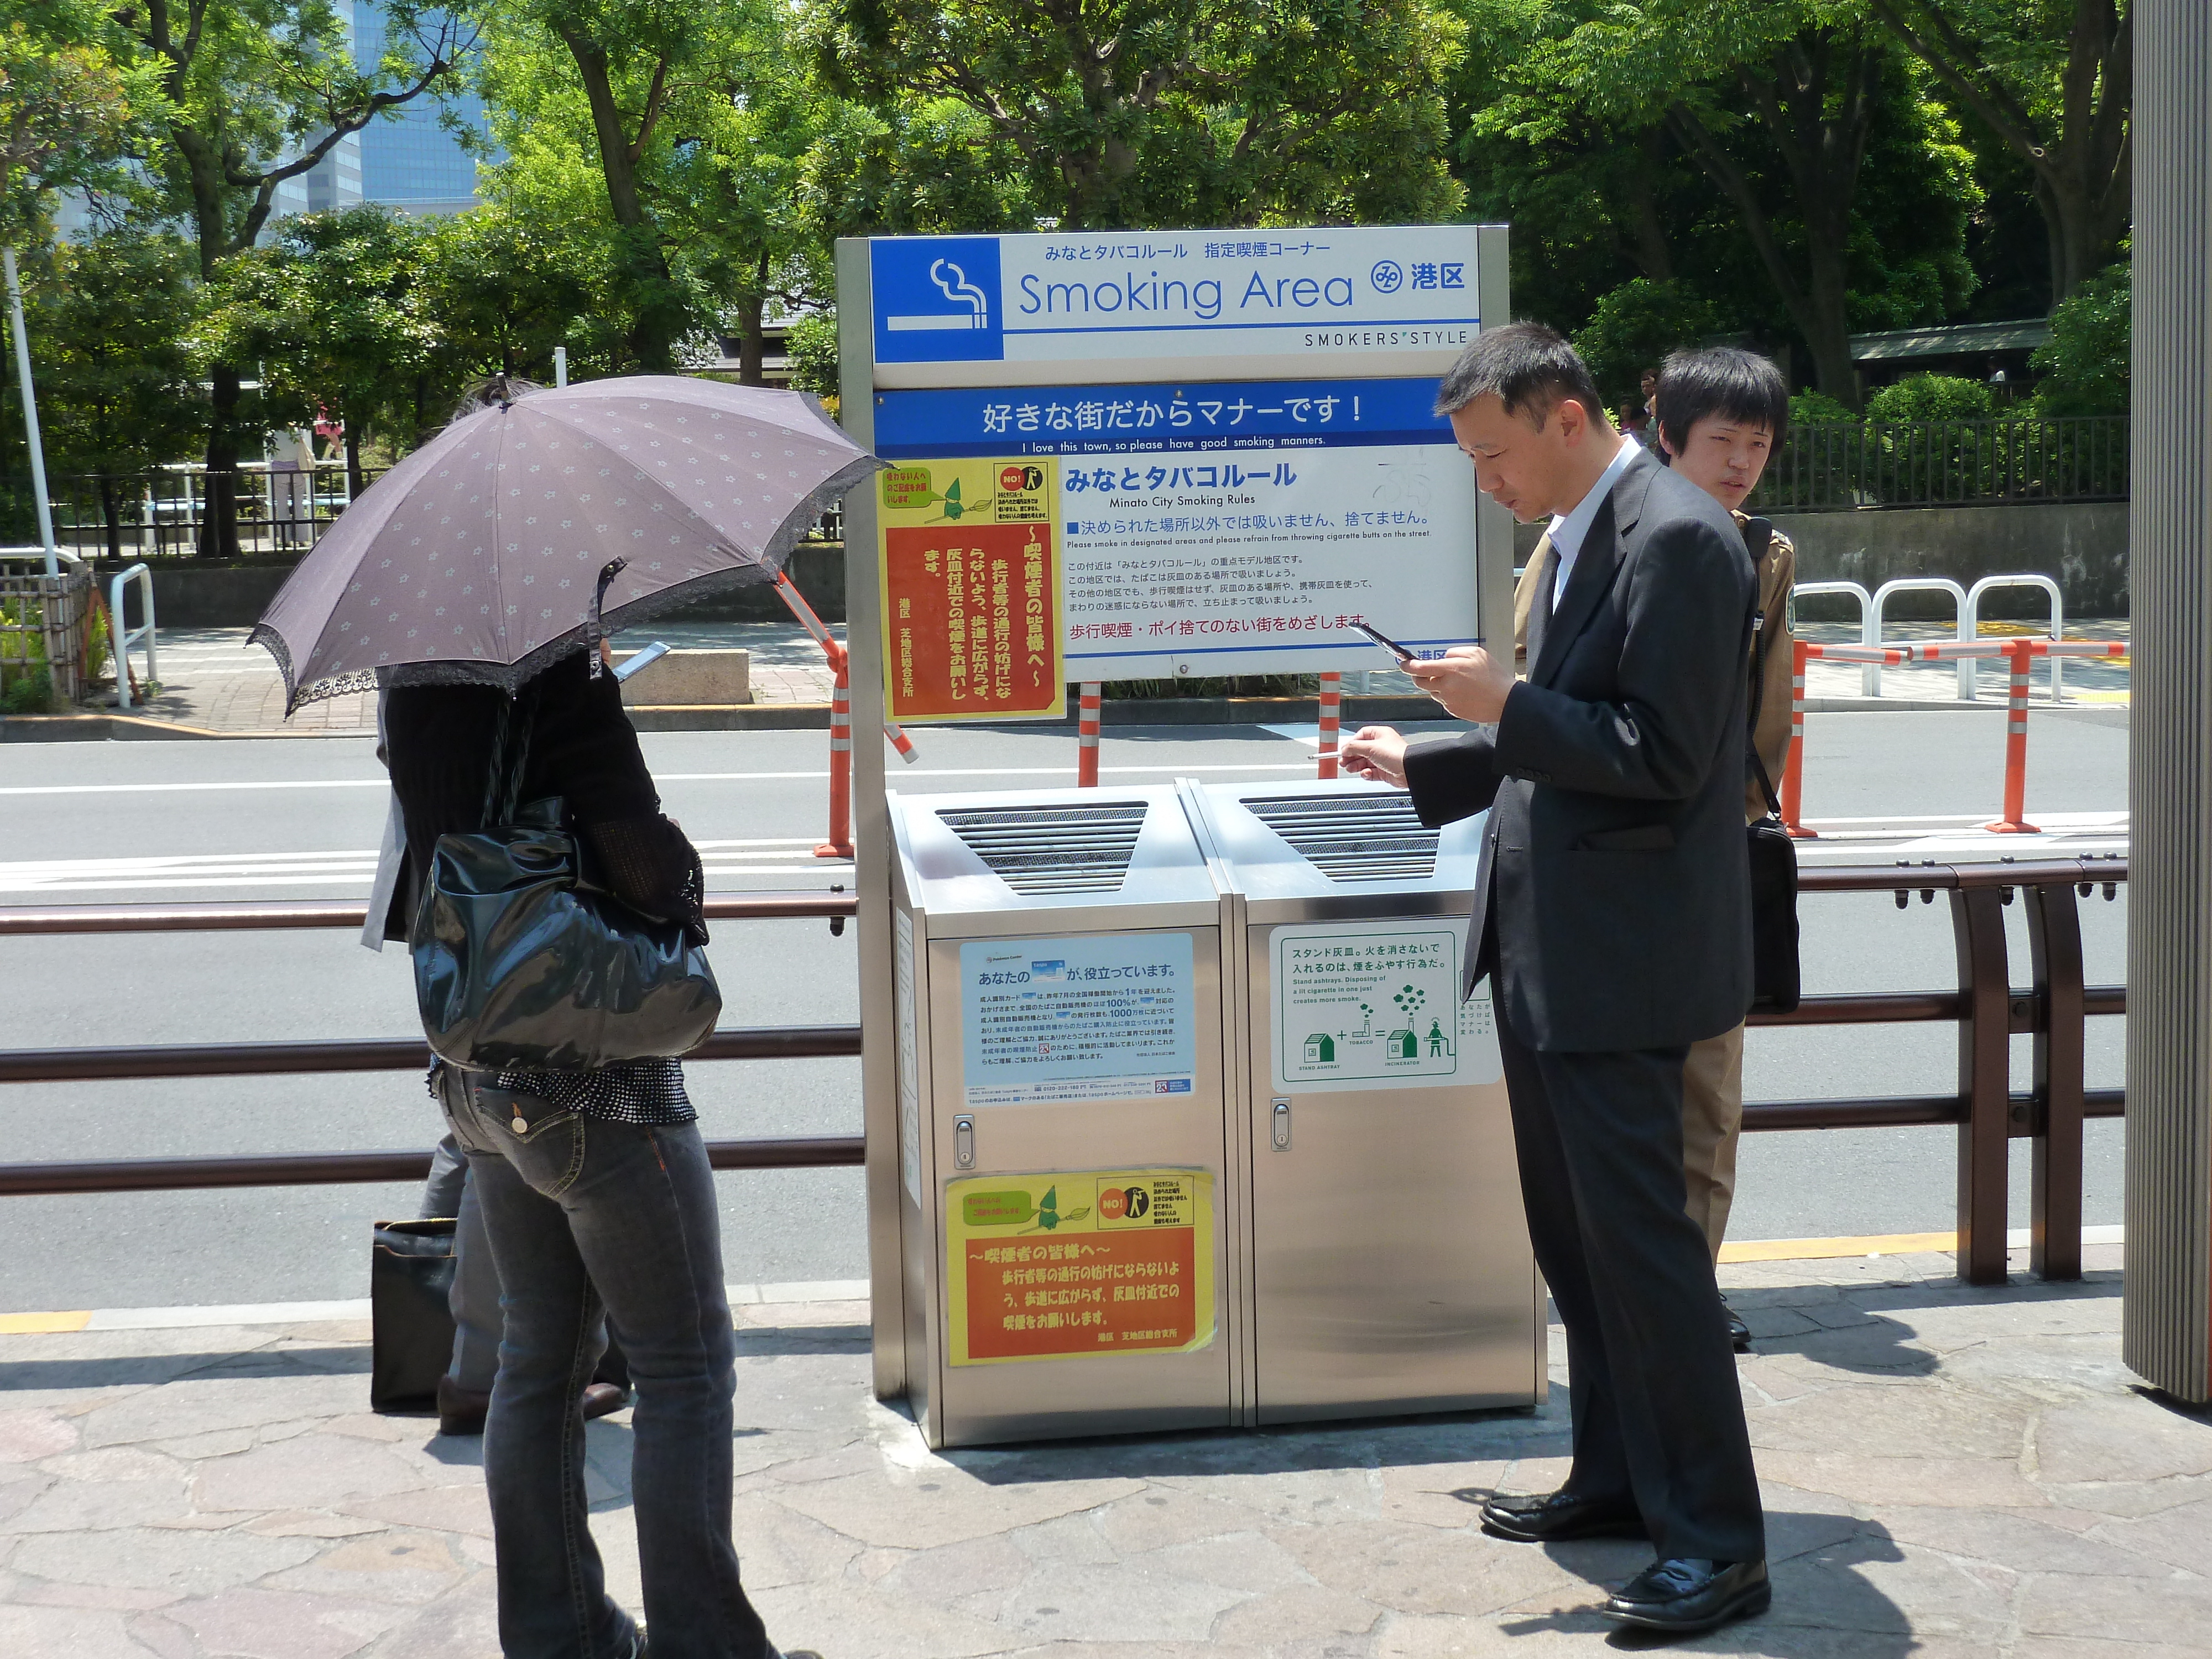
{"points": [[2055, 81], [71, 104], [2085, 363], [1140, 113]]}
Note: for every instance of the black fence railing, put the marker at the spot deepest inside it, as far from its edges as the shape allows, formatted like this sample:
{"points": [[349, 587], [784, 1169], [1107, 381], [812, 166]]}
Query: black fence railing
{"points": [[1826, 465], [161, 515]]}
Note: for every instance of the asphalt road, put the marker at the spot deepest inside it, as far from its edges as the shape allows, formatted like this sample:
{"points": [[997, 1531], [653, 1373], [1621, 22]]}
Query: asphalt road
{"points": [[119, 822]]}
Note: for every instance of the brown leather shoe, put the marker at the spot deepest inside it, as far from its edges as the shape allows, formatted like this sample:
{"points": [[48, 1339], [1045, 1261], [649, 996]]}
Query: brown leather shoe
{"points": [[600, 1398], [460, 1411]]}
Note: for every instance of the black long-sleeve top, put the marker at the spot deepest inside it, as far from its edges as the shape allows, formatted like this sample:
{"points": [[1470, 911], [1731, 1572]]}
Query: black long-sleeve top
{"points": [[439, 743]]}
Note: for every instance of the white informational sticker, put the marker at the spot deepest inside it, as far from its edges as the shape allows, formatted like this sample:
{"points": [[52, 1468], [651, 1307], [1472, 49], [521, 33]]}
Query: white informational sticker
{"points": [[1376, 1005], [909, 1082], [1087, 1017]]}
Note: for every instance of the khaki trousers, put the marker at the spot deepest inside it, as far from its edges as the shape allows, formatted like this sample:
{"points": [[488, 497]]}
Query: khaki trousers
{"points": [[1712, 1116]]}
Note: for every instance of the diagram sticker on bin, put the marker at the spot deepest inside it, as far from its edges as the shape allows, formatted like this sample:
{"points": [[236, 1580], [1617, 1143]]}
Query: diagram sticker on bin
{"points": [[1068, 1262], [1363, 1005], [1098, 1016]]}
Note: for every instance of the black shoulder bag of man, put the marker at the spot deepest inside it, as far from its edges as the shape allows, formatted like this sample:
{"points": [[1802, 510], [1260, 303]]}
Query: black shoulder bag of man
{"points": [[1773, 855]]}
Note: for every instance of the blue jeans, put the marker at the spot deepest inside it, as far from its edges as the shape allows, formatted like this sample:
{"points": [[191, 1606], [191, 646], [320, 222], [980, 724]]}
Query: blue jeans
{"points": [[576, 1208]]}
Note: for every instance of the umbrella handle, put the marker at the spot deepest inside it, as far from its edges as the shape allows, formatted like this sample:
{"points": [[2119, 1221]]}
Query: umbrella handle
{"points": [[594, 629]]}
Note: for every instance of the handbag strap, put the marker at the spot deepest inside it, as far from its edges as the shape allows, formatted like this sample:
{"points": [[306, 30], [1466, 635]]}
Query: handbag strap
{"points": [[1757, 534], [510, 756]]}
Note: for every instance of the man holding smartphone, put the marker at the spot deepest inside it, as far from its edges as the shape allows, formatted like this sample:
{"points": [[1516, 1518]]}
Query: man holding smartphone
{"points": [[1613, 914]]}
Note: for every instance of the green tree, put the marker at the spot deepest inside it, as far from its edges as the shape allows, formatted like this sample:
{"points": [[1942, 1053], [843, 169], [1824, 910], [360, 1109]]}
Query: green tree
{"points": [[1635, 326], [332, 311], [1135, 113], [1782, 106], [119, 390], [258, 92], [2054, 79], [2085, 364], [501, 291], [71, 106]]}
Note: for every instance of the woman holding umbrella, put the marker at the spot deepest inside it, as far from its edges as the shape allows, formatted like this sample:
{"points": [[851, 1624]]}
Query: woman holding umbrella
{"points": [[468, 582]]}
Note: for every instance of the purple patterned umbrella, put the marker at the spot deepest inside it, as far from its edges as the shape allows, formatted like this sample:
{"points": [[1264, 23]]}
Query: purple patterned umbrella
{"points": [[474, 558]]}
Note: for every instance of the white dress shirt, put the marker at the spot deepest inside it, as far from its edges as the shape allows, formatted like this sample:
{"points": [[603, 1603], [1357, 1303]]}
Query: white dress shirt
{"points": [[1569, 528]]}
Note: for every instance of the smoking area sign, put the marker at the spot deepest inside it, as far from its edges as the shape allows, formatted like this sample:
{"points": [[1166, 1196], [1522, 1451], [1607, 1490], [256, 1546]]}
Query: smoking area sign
{"points": [[1052, 1266], [1264, 470], [1090, 1016], [1366, 1005]]}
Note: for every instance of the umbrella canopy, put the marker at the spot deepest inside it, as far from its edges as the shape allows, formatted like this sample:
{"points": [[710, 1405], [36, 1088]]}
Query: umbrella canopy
{"points": [[474, 559]]}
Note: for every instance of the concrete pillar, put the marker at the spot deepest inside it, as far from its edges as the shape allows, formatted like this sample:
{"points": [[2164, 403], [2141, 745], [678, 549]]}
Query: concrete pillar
{"points": [[2168, 1320]]}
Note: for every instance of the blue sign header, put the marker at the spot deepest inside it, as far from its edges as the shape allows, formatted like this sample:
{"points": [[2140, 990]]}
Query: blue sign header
{"points": [[1121, 420]]}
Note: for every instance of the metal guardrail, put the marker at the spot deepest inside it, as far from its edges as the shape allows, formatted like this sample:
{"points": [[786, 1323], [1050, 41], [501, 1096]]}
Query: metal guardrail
{"points": [[1987, 1009]]}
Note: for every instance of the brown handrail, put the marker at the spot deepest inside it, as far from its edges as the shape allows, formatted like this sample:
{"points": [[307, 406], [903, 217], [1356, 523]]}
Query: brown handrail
{"points": [[270, 915], [340, 1168], [396, 1054], [1987, 1010]]}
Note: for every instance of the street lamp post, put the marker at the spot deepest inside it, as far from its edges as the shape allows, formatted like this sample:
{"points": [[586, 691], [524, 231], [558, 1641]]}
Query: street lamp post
{"points": [[30, 413]]}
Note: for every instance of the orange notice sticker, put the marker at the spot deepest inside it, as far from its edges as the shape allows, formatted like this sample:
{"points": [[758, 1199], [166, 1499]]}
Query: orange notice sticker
{"points": [[1053, 1265]]}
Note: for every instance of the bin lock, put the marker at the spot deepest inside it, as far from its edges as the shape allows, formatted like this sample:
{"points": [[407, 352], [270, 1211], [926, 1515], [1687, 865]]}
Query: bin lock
{"points": [[963, 1141], [1281, 1127]]}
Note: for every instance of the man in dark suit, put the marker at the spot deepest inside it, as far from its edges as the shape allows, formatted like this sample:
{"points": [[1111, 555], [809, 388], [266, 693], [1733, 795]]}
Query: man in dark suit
{"points": [[1612, 912]]}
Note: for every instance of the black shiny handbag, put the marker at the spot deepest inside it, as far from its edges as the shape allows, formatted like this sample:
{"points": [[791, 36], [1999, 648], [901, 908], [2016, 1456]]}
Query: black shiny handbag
{"points": [[1774, 959], [522, 960]]}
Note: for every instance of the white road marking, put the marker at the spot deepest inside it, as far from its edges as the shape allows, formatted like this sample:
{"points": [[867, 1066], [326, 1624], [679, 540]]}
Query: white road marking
{"points": [[752, 857], [1067, 771]]}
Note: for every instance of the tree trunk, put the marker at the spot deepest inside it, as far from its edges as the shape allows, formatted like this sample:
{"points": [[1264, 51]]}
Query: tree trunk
{"points": [[111, 515], [752, 345], [218, 532], [658, 313], [353, 462], [1647, 230]]}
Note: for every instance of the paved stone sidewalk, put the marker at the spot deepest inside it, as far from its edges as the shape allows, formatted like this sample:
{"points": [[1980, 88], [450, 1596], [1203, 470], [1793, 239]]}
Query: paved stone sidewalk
{"points": [[1949, 1473]]}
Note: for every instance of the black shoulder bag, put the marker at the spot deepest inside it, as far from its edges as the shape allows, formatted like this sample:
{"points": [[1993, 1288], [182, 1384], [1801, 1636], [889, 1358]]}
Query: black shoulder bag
{"points": [[1774, 966], [521, 959]]}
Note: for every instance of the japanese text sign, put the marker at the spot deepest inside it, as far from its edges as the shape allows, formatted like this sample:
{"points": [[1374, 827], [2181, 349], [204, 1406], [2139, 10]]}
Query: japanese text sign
{"points": [[1089, 1016], [971, 593], [1079, 1263], [1370, 1004]]}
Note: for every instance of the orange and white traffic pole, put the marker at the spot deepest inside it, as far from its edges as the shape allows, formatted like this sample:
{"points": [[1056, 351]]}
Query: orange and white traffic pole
{"points": [[1088, 697], [840, 844], [2015, 821], [1793, 769], [898, 740], [1332, 701]]}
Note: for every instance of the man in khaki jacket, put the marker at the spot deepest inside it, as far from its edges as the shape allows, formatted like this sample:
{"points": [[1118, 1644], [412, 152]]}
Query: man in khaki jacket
{"points": [[1719, 414]]}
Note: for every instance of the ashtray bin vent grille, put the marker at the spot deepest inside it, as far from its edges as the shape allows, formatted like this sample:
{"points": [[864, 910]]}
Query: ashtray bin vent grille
{"points": [[1054, 849], [1352, 837]]}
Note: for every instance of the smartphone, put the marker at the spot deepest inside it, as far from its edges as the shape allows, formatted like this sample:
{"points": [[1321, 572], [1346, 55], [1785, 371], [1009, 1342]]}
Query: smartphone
{"points": [[1401, 653]]}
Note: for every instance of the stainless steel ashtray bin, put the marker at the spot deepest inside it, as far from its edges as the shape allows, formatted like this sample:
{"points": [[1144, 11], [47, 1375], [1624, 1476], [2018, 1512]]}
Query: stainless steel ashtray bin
{"points": [[1389, 1268], [1067, 1211]]}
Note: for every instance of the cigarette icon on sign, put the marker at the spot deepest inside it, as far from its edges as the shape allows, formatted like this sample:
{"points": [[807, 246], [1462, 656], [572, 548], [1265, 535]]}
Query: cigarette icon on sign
{"points": [[956, 287]]}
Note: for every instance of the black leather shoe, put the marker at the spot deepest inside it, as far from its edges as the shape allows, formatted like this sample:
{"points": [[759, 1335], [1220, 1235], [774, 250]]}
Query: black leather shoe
{"points": [[1557, 1517], [1684, 1597], [1739, 1332], [599, 1399]]}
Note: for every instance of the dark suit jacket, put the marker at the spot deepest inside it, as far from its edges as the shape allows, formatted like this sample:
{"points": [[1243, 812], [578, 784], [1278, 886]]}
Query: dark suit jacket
{"points": [[1613, 865]]}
